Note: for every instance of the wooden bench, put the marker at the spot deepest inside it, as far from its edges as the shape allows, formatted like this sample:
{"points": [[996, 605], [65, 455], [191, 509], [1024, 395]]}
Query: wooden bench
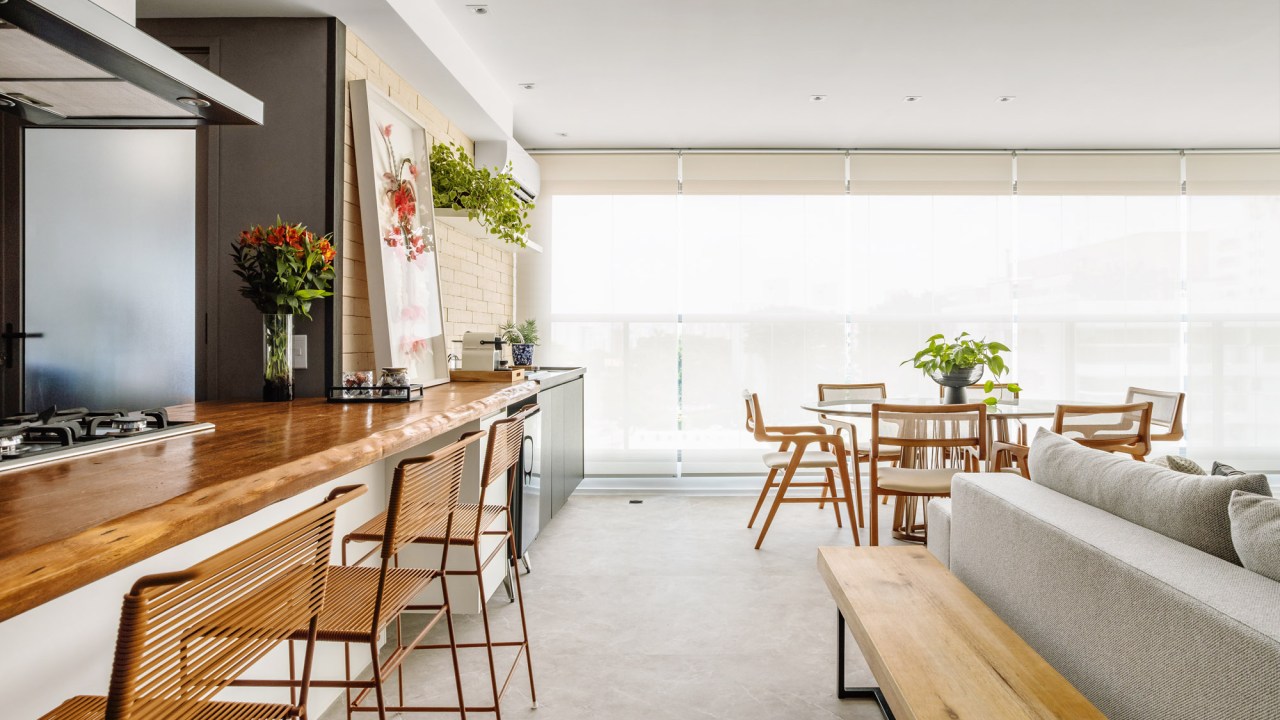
{"points": [[934, 648]]}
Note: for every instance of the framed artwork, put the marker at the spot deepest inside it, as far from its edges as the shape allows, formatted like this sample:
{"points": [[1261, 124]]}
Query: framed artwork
{"points": [[393, 172]]}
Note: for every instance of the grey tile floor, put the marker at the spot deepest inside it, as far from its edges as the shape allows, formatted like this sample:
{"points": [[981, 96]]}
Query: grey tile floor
{"points": [[663, 610]]}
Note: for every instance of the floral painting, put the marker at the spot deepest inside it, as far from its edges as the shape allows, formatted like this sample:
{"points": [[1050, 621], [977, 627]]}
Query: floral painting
{"points": [[400, 248]]}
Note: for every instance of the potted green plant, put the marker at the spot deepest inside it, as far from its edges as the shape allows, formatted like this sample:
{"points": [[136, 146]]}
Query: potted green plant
{"points": [[960, 363], [522, 338], [488, 197]]}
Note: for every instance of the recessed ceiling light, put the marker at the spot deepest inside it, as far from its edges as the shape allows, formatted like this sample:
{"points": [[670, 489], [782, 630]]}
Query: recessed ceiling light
{"points": [[562, 134], [913, 98], [1006, 98], [194, 102], [478, 9], [817, 98], [528, 86]]}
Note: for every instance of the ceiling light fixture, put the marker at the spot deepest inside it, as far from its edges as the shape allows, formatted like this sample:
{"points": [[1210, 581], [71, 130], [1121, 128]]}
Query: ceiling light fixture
{"points": [[817, 98], [1006, 98], [528, 86], [478, 9], [913, 98], [194, 102], [562, 134]]}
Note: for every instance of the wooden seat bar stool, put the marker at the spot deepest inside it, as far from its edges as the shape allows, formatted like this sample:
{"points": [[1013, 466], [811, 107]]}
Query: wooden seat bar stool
{"points": [[366, 600], [475, 523], [935, 442], [794, 452], [184, 636]]}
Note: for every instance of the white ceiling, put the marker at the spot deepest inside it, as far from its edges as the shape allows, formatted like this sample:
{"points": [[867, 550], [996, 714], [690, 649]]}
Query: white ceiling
{"points": [[739, 73]]}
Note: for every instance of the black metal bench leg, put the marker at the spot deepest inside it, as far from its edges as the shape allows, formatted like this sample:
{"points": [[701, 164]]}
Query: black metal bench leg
{"points": [[844, 692]]}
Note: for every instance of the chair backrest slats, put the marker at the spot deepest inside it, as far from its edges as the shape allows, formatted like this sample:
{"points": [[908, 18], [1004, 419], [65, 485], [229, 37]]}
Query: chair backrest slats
{"points": [[1124, 428], [918, 429], [851, 391], [502, 460], [1166, 409], [424, 494], [184, 636]]}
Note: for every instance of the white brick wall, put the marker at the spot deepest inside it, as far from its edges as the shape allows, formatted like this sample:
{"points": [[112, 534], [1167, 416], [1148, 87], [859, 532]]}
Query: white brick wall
{"points": [[476, 280]]}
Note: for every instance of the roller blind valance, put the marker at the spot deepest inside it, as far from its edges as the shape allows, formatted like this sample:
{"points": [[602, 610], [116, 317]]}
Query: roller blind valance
{"points": [[929, 174], [1050, 174], [763, 174], [1233, 174], [609, 174]]}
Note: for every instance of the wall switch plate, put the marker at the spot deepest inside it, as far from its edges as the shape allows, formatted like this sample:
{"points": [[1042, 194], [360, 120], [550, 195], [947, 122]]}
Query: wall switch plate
{"points": [[299, 352]]}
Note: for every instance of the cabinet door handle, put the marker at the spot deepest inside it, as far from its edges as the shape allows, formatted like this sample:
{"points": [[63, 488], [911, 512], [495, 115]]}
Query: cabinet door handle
{"points": [[10, 336]]}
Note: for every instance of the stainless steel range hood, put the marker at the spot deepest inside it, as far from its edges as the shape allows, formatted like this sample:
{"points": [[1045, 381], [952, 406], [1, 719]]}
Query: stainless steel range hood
{"points": [[71, 63]]}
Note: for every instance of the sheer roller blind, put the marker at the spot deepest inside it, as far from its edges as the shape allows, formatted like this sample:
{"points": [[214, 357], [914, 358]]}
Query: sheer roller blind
{"points": [[758, 174], [609, 174], [1233, 174], [1127, 175], [926, 174]]}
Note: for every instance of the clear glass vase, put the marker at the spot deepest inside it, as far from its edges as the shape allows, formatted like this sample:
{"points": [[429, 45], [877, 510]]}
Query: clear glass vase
{"points": [[277, 357]]}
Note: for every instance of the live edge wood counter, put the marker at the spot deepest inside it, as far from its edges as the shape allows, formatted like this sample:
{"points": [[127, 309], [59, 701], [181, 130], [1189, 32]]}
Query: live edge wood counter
{"points": [[69, 523]]}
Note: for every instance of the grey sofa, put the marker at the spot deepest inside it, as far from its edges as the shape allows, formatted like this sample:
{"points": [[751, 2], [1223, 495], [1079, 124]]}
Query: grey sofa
{"points": [[1145, 626]]}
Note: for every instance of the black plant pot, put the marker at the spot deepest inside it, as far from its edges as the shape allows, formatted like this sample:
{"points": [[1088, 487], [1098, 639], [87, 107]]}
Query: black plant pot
{"points": [[956, 381]]}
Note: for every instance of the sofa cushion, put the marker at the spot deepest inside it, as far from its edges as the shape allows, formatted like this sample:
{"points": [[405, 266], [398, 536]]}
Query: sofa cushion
{"points": [[1180, 464], [1191, 509], [1221, 468], [1255, 532]]}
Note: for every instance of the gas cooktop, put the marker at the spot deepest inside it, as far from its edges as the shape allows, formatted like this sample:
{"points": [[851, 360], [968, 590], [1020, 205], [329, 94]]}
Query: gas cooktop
{"points": [[58, 434]]}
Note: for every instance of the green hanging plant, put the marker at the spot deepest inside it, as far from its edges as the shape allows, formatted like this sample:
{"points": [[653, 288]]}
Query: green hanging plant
{"points": [[488, 197]]}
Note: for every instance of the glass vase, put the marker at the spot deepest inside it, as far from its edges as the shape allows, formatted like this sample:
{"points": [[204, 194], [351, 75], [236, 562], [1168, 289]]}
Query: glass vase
{"points": [[277, 357]]}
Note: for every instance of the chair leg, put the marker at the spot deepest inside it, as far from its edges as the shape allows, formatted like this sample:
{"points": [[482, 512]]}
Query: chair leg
{"points": [[823, 504], [835, 503], [488, 638], [453, 646], [777, 499], [848, 501], [875, 519], [524, 627], [764, 493], [377, 679], [857, 485]]}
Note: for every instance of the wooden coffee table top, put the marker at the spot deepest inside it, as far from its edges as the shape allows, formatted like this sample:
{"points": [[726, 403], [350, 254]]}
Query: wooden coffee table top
{"points": [[935, 649]]}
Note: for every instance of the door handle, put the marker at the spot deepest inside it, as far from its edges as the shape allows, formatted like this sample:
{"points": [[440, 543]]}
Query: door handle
{"points": [[10, 336]]}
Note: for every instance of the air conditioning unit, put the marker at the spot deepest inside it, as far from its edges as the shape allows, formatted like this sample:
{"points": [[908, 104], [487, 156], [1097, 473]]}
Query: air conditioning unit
{"points": [[496, 154]]}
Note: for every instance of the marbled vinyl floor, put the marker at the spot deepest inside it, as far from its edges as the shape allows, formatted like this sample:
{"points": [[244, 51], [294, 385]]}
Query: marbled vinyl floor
{"points": [[663, 610]]}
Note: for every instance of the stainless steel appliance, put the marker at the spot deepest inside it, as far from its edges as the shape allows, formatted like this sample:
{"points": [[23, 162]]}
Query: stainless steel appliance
{"points": [[527, 502], [58, 434], [71, 63]]}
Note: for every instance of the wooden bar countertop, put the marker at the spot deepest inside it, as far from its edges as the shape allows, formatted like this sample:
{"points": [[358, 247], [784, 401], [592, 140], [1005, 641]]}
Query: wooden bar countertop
{"points": [[70, 522]]}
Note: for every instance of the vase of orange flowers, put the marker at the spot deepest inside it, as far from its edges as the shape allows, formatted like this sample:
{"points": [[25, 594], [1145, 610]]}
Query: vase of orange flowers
{"points": [[284, 267]]}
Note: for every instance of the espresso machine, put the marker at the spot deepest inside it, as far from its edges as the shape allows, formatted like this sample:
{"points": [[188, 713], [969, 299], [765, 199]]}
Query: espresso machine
{"points": [[482, 351]]}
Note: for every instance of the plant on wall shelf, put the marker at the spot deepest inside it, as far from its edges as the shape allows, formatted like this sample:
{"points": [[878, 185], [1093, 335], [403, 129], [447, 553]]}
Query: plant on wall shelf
{"points": [[488, 197]]}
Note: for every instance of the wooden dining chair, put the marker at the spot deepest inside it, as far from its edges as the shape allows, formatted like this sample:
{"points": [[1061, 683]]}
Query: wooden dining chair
{"points": [[859, 451], [1122, 428], [170, 661], [935, 442], [1004, 396], [1166, 412], [795, 451], [486, 530]]}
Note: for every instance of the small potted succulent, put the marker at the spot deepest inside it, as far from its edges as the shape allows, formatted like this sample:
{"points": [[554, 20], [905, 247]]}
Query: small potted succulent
{"points": [[522, 338], [960, 363]]}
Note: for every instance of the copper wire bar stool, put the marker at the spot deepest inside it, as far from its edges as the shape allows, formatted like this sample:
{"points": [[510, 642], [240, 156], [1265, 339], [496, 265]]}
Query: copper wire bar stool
{"points": [[184, 636], [473, 524], [365, 600]]}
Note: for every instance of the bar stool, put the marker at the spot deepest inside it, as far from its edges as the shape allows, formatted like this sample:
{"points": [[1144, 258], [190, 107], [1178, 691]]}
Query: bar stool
{"points": [[474, 523], [364, 600], [169, 664]]}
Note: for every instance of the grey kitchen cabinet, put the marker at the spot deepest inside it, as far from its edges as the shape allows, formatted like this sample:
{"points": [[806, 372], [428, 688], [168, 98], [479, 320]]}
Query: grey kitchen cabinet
{"points": [[562, 448]]}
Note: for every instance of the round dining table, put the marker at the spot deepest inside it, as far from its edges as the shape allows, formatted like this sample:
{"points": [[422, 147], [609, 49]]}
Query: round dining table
{"points": [[1000, 416]]}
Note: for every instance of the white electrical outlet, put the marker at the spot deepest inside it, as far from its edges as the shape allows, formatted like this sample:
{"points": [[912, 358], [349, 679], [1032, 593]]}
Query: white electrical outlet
{"points": [[299, 352]]}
